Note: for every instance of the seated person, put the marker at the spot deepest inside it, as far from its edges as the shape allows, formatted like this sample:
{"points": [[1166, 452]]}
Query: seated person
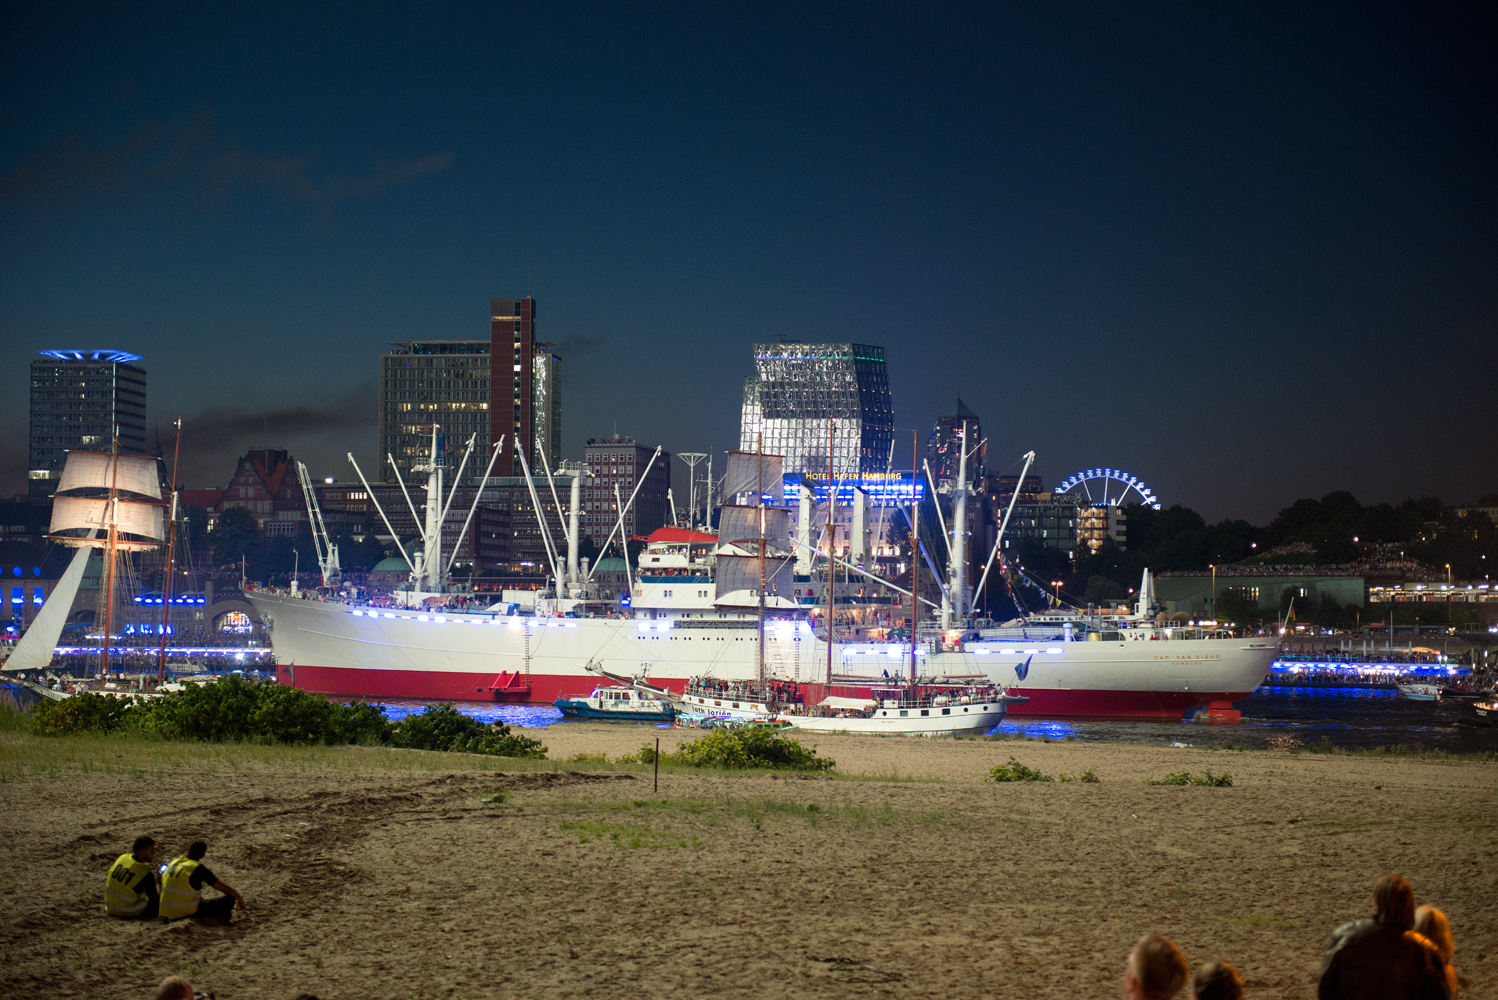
{"points": [[130, 888], [174, 988], [1431, 922], [1381, 956], [1156, 969], [1216, 981], [182, 889]]}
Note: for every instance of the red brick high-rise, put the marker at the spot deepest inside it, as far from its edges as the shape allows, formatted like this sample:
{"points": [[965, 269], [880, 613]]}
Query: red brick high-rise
{"points": [[512, 342]]}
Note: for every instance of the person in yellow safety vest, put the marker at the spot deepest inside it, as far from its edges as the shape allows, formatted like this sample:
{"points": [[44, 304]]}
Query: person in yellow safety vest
{"points": [[132, 888], [182, 889]]}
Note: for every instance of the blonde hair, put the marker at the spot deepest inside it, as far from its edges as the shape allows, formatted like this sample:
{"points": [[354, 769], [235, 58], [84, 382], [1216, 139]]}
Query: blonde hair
{"points": [[174, 988], [1159, 966], [1432, 923]]}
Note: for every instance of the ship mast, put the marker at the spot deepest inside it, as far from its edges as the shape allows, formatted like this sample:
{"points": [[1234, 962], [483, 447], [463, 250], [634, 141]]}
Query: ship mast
{"points": [[831, 531], [915, 551], [759, 501], [113, 514], [171, 543]]}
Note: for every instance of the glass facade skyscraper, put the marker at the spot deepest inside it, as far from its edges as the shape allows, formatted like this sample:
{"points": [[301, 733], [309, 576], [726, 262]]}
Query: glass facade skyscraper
{"points": [[799, 389], [77, 400]]}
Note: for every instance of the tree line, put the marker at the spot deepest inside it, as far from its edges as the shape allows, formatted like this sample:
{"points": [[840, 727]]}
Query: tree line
{"points": [[1335, 529]]}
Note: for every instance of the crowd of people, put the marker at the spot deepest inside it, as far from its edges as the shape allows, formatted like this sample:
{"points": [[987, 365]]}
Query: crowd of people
{"points": [[1402, 952]]}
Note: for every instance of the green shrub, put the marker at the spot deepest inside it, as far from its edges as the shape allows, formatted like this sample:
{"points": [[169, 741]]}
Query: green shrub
{"points": [[1015, 771], [232, 709], [1206, 778], [82, 713], [1086, 778], [443, 727], [219, 712], [751, 747]]}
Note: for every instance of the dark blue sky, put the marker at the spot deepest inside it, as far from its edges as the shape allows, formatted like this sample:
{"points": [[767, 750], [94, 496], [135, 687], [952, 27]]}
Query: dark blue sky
{"points": [[1246, 253]]}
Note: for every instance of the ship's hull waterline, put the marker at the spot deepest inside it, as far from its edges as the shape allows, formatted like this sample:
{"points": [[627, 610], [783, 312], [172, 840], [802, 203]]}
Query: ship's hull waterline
{"points": [[344, 650]]}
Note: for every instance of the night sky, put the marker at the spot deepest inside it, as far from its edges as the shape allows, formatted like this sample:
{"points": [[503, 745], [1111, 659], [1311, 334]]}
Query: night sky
{"points": [[1246, 253]]}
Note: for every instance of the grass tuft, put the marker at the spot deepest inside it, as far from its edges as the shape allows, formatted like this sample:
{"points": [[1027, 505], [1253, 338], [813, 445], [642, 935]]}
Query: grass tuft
{"points": [[1206, 779], [1015, 771]]}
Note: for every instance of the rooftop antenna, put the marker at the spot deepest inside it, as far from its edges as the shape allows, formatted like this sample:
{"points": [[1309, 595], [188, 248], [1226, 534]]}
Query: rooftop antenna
{"points": [[529, 280]]}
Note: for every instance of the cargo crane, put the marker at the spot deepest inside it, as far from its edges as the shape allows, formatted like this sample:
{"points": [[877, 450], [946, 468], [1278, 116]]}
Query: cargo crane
{"points": [[327, 549]]}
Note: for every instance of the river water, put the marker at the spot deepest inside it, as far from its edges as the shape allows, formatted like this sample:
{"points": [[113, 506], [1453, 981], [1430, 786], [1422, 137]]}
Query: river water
{"points": [[1280, 718]]}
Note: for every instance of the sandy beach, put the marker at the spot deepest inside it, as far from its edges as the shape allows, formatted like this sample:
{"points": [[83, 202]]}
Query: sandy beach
{"points": [[375, 873]]}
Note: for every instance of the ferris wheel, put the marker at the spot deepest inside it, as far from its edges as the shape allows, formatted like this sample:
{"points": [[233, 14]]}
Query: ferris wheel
{"points": [[1100, 485]]}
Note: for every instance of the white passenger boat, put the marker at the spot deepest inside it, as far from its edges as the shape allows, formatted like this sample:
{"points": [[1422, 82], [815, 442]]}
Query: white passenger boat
{"points": [[1421, 692]]}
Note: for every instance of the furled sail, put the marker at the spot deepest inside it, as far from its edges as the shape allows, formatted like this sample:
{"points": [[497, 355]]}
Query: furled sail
{"points": [[140, 525], [94, 470], [735, 573], [753, 474], [34, 651], [737, 525]]}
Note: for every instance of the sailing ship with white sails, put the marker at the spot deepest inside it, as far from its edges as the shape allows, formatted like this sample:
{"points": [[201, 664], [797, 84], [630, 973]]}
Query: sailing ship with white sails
{"points": [[106, 501]]}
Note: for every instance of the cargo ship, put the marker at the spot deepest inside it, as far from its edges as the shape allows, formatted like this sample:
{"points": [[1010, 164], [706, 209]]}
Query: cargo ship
{"points": [[706, 605]]}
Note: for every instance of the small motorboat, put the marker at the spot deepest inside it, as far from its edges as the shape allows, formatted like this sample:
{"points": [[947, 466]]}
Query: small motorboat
{"points": [[617, 703], [1421, 692], [1483, 714]]}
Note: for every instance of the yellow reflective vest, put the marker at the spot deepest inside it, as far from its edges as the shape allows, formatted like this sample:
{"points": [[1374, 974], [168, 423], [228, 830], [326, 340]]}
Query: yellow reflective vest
{"points": [[125, 887], [178, 897]]}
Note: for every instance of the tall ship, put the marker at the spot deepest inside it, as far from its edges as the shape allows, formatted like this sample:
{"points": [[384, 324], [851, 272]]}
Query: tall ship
{"points": [[712, 607]]}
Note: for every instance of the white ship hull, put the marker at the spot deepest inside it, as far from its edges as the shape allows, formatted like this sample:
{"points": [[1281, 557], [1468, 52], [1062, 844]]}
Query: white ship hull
{"points": [[950, 720], [344, 650]]}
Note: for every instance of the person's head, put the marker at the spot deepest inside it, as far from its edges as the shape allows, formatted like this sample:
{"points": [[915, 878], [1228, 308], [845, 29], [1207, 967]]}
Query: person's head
{"points": [[196, 850], [144, 849], [1394, 902], [1432, 923], [1156, 969], [1216, 981], [174, 988]]}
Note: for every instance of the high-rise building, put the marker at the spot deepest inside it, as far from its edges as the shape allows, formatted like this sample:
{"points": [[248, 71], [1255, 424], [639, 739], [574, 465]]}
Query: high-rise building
{"points": [[78, 399], [546, 404], [426, 382], [619, 463], [799, 390], [531, 417], [942, 446]]}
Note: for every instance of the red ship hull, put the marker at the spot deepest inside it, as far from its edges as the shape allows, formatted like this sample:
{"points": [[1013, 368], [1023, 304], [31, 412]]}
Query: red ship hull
{"points": [[543, 689]]}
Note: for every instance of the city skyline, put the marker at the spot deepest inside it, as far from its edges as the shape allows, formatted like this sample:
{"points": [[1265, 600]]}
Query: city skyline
{"points": [[1246, 255]]}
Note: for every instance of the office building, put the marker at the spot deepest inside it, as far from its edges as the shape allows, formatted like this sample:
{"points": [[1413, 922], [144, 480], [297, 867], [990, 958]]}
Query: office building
{"points": [[619, 462], [546, 403], [942, 453], [799, 390], [426, 382], [1054, 522], [530, 413], [78, 399]]}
